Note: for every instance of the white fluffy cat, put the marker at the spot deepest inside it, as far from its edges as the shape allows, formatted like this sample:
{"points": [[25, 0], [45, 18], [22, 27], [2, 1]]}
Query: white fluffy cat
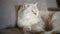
{"points": [[30, 19]]}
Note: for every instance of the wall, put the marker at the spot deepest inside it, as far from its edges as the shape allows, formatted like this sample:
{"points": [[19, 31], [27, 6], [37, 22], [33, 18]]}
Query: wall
{"points": [[8, 13], [51, 3]]}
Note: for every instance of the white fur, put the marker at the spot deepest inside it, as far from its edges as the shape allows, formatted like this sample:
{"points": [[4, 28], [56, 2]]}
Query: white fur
{"points": [[29, 18]]}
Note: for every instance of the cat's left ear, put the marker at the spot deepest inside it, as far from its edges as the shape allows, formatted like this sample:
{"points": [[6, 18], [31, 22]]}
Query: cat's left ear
{"points": [[36, 3]]}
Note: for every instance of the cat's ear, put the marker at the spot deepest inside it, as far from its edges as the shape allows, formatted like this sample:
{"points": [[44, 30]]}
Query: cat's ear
{"points": [[36, 3], [26, 5]]}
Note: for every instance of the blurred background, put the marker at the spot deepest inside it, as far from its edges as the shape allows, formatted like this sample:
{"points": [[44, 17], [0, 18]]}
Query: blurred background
{"points": [[8, 12]]}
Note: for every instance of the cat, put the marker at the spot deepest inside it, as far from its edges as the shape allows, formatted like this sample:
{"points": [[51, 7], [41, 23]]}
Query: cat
{"points": [[30, 18]]}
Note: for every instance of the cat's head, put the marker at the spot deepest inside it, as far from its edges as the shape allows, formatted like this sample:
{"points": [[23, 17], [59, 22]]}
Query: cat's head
{"points": [[32, 8]]}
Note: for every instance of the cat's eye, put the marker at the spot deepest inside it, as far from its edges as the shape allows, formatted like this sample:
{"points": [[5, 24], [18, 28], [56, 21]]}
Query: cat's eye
{"points": [[33, 12]]}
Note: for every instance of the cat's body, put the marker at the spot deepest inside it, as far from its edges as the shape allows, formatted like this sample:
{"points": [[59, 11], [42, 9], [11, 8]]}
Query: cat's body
{"points": [[31, 20], [56, 24]]}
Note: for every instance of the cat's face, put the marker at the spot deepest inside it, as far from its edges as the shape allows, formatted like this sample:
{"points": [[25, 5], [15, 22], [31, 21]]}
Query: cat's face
{"points": [[32, 8]]}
